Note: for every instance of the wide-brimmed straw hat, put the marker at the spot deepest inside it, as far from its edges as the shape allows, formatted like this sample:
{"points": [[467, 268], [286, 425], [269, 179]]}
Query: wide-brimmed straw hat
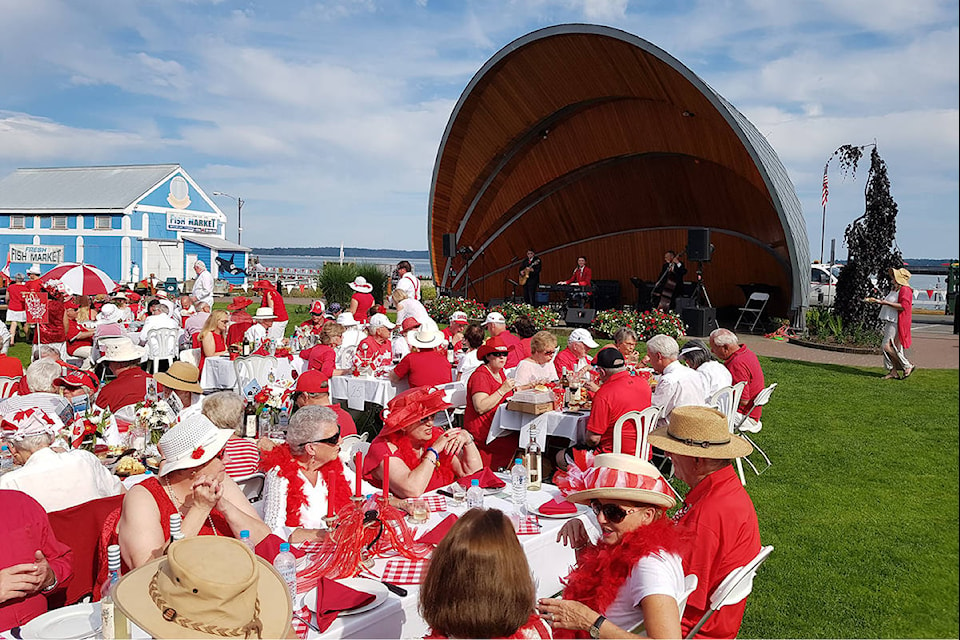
{"points": [[181, 375], [264, 313], [901, 277], [425, 339], [239, 302], [191, 443], [492, 345], [206, 587], [619, 476], [360, 285], [120, 349], [412, 406], [700, 432]]}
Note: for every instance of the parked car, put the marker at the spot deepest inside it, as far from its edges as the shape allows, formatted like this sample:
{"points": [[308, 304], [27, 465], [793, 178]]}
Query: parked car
{"points": [[823, 284]]}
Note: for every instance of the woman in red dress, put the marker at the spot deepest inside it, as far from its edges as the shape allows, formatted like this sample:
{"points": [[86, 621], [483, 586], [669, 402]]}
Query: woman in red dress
{"points": [[212, 339], [487, 388], [362, 300]]}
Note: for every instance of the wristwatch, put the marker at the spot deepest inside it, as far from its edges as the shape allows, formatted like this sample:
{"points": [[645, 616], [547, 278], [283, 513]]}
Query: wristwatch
{"points": [[595, 627]]}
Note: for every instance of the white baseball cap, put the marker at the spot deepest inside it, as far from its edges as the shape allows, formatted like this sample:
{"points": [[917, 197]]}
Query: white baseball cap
{"points": [[380, 320], [495, 318], [459, 317], [583, 336]]}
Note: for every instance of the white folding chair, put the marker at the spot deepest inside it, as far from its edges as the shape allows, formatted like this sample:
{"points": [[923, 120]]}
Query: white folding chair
{"points": [[349, 445], [645, 421], [8, 384], [256, 368], [727, 401], [162, 344], [190, 355], [252, 485], [756, 303], [455, 393], [746, 425], [734, 588]]}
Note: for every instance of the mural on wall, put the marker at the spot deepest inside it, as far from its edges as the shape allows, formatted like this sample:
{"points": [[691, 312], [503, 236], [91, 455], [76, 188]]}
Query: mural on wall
{"points": [[179, 197]]}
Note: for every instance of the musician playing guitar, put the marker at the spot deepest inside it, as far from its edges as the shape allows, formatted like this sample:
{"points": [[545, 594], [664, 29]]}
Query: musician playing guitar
{"points": [[669, 282], [530, 277], [582, 277]]}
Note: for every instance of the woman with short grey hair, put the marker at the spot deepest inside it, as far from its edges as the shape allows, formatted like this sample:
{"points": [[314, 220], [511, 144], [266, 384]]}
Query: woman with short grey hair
{"points": [[696, 355], [225, 410]]}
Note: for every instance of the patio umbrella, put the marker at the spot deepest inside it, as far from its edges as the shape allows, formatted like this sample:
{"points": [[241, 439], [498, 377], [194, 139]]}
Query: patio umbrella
{"points": [[81, 279]]}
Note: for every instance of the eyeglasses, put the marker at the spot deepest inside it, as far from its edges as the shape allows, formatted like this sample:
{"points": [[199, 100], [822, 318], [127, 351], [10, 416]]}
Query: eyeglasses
{"points": [[611, 512], [549, 353], [499, 354], [332, 440]]}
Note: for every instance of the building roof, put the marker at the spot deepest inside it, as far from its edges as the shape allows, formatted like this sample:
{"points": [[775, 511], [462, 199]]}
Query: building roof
{"points": [[73, 188], [587, 140], [214, 242]]}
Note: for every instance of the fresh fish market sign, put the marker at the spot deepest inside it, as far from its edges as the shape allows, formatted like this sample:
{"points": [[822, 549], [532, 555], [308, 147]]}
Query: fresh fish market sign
{"points": [[191, 222], [44, 254]]}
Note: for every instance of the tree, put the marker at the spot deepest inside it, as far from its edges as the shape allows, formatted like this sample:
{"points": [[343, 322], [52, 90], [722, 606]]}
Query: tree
{"points": [[870, 240]]}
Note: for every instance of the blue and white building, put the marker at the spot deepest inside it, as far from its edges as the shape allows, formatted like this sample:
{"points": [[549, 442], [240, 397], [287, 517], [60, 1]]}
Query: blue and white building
{"points": [[130, 221]]}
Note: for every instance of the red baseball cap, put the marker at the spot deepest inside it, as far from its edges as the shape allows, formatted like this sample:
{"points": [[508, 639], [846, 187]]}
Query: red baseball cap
{"points": [[313, 381], [78, 378]]}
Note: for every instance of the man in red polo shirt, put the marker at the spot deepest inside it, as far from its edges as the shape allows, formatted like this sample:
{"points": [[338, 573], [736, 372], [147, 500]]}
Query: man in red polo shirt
{"points": [[576, 356], [454, 331], [717, 511], [742, 364], [130, 386], [425, 366], [619, 393], [313, 389], [496, 326], [374, 352], [317, 318]]}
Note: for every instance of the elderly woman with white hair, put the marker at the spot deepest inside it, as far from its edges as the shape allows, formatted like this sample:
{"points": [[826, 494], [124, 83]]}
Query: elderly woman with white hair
{"points": [[225, 410], [678, 385], [696, 355]]}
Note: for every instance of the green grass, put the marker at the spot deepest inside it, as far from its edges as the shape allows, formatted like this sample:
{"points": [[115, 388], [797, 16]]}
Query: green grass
{"points": [[861, 503]]}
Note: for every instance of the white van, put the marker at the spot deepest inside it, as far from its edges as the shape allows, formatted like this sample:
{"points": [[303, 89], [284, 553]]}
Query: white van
{"points": [[823, 284]]}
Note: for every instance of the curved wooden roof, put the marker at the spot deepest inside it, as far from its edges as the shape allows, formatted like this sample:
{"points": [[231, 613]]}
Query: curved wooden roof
{"points": [[580, 139]]}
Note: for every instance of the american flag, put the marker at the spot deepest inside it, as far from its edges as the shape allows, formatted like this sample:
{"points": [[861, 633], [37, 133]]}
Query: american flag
{"points": [[826, 189]]}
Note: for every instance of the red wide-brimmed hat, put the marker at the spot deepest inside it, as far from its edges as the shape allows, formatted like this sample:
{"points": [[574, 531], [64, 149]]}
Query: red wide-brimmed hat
{"points": [[239, 302], [490, 346], [263, 284], [408, 324], [412, 406]]}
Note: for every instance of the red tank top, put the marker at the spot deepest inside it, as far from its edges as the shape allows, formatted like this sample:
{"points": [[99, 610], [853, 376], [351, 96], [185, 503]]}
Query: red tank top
{"points": [[166, 506]]}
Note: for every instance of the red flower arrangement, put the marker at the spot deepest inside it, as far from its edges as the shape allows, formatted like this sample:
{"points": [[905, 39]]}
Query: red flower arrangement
{"points": [[197, 453]]}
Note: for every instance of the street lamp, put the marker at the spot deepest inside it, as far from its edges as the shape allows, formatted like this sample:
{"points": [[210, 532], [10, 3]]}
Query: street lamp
{"points": [[239, 202]]}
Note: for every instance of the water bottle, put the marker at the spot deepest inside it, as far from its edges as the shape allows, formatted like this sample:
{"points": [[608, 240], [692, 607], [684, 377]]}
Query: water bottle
{"points": [[286, 565], [245, 539], [518, 485], [6, 460], [283, 421], [113, 624], [265, 424], [475, 495], [176, 523]]}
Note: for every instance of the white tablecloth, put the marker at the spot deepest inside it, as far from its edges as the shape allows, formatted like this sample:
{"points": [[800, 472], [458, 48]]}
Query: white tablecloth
{"points": [[357, 390], [398, 617], [219, 373], [572, 425]]}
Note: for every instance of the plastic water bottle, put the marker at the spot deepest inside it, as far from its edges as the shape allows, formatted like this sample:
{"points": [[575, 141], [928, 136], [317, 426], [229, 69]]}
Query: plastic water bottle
{"points": [[518, 484], [283, 421], [265, 424], [176, 524], [6, 459], [245, 539], [286, 565], [475, 495]]}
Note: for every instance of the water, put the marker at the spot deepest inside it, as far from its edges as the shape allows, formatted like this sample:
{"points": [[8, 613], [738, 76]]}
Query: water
{"points": [[421, 266], [474, 495], [286, 565], [518, 484]]}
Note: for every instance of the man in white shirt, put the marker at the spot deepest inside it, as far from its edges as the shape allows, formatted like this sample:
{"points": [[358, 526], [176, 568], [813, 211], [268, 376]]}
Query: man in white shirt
{"points": [[203, 285], [408, 282], [679, 385], [260, 329], [352, 335], [157, 318]]}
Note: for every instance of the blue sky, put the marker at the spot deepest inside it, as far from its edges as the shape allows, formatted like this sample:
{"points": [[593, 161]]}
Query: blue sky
{"points": [[325, 117]]}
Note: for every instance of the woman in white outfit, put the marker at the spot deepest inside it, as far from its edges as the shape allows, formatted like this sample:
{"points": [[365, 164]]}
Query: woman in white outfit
{"points": [[716, 376]]}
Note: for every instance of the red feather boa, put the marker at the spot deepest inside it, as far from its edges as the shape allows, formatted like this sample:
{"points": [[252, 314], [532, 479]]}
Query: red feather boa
{"points": [[442, 476], [289, 469], [602, 569]]}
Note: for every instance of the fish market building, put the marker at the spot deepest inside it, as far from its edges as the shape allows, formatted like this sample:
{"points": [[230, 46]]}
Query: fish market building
{"points": [[130, 221]]}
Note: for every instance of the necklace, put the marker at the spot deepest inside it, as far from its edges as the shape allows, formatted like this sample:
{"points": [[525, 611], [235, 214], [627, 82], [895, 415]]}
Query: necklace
{"points": [[179, 505]]}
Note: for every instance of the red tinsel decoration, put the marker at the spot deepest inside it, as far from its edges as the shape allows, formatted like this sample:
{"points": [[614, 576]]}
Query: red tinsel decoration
{"points": [[288, 468]]}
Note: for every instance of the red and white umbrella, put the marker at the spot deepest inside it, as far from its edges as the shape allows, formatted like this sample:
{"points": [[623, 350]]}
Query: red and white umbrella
{"points": [[81, 279]]}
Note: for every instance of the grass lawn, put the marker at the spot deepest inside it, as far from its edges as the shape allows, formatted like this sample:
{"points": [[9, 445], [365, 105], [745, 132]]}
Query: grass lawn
{"points": [[861, 503]]}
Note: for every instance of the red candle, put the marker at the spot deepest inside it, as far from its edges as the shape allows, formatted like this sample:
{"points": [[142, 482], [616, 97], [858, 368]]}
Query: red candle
{"points": [[331, 491], [358, 465], [386, 477]]}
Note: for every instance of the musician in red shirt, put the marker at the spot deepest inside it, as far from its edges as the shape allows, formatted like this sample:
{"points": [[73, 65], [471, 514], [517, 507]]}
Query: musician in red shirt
{"points": [[582, 275]]}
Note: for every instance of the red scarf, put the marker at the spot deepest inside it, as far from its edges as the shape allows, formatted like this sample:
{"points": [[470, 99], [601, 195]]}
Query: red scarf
{"points": [[289, 469], [602, 569], [442, 476]]}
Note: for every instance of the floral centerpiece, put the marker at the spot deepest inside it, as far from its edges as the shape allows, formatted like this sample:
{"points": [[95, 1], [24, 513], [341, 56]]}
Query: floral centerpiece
{"points": [[441, 308], [646, 324], [153, 418], [88, 428], [273, 397], [542, 317]]}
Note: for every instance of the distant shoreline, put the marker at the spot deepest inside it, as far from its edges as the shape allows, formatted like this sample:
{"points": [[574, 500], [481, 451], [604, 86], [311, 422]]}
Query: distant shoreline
{"points": [[357, 252]]}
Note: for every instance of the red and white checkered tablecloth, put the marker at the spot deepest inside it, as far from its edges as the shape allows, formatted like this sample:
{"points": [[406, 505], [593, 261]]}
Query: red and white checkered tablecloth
{"points": [[310, 546], [298, 625], [529, 526], [309, 576], [405, 571], [434, 502]]}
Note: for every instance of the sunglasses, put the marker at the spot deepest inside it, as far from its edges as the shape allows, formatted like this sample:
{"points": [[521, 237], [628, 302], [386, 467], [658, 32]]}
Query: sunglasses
{"points": [[499, 354], [332, 440], [611, 512], [549, 353]]}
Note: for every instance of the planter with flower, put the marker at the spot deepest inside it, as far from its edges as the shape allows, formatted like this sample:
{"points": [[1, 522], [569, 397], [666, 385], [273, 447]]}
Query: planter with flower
{"points": [[542, 317], [609, 321], [441, 308], [646, 324]]}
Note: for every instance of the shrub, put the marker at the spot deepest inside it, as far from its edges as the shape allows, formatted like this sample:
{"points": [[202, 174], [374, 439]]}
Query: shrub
{"points": [[442, 307], [542, 317], [335, 278], [427, 290], [826, 326], [646, 324]]}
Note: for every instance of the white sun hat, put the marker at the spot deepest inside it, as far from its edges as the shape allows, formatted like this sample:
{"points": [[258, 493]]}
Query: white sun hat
{"points": [[425, 339], [120, 349], [264, 313], [191, 443], [360, 285], [346, 319]]}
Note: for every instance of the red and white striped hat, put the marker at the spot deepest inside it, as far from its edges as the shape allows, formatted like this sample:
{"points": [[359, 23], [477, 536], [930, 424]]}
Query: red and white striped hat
{"points": [[619, 476]]}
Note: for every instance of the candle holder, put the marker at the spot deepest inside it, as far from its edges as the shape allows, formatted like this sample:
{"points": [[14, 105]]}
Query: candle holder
{"points": [[331, 521]]}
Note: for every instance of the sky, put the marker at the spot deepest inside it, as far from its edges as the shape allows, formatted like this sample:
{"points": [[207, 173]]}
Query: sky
{"points": [[326, 117]]}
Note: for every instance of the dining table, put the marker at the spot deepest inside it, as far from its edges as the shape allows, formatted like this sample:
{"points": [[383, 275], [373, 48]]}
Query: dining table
{"points": [[219, 372], [571, 425], [358, 390]]}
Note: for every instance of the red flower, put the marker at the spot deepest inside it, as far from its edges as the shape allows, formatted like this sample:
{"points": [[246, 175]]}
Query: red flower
{"points": [[197, 453]]}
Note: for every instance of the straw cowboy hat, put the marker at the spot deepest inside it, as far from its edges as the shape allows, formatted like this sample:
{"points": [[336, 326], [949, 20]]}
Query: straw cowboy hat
{"points": [[360, 285], [412, 406], [181, 375], [120, 349], [700, 432], [191, 443], [206, 587], [264, 313], [619, 476], [425, 339], [901, 277], [239, 302]]}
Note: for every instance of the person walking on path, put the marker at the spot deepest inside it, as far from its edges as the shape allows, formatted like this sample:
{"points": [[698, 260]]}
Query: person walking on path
{"points": [[896, 314]]}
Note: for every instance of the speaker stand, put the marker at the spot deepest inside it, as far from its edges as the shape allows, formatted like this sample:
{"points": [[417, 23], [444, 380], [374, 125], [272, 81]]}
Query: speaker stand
{"points": [[700, 295]]}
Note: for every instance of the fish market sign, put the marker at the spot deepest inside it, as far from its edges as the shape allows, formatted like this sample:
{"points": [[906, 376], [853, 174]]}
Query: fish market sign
{"points": [[49, 254], [191, 222]]}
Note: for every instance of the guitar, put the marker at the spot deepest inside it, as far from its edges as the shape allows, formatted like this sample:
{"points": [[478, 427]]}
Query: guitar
{"points": [[527, 271]]}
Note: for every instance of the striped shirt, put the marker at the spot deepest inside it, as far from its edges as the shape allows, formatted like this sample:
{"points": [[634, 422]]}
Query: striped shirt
{"points": [[244, 457]]}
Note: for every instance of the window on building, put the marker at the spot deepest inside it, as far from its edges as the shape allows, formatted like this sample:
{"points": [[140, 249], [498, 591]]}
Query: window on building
{"points": [[58, 222], [102, 222], [18, 222]]}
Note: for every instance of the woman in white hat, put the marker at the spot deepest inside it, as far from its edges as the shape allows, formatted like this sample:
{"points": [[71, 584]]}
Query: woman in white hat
{"points": [[362, 298], [634, 574], [192, 481], [425, 365], [896, 314]]}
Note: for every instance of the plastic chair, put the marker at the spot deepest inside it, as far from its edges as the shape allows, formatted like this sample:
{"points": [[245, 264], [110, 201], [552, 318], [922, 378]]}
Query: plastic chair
{"points": [[162, 345], [190, 355], [8, 384], [644, 421], [727, 401], [735, 587], [252, 485], [749, 425], [454, 393], [349, 446], [756, 303], [256, 368]]}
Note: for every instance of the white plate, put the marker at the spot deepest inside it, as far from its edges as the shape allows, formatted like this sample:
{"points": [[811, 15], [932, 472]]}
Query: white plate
{"points": [[560, 516], [366, 585], [76, 621]]}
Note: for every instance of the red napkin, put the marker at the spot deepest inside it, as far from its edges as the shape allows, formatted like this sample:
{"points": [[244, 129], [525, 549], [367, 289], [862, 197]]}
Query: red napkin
{"points": [[487, 479], [269, 547], [435, 535], [333, 597], [557, 507]]}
